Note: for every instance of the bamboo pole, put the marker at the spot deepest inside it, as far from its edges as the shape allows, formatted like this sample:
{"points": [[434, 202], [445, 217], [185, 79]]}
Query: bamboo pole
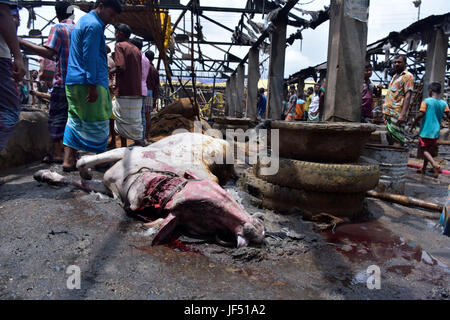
{"points": [[404, 200]]}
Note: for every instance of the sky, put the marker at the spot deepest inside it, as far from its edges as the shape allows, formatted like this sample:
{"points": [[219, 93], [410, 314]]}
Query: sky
{"points": [[384, 16]]}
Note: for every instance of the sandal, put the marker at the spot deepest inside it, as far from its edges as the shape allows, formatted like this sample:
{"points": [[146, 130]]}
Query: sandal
{"points": [[436, 171]]}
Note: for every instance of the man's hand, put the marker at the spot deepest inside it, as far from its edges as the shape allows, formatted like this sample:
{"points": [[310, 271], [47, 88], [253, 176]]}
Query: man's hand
{"points": [[401, 118], [92, 94], [18, 69]]}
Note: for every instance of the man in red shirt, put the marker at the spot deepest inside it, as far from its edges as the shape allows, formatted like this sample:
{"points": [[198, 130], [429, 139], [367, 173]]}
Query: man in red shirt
{"points": [[128, 104]]}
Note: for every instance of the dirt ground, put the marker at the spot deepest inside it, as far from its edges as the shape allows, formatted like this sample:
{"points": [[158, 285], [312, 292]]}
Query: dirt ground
{"points": [[45, 229]]}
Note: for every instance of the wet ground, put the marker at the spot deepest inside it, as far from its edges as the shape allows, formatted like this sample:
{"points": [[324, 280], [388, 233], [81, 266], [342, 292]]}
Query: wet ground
{"points": [[45, 229]]}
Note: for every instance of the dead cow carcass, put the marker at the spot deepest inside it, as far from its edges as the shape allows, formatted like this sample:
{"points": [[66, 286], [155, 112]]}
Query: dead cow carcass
{"points": [[175, 181]]}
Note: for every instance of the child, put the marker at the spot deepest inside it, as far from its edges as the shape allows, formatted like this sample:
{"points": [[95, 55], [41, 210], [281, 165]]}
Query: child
{"points": [[431, 110]]}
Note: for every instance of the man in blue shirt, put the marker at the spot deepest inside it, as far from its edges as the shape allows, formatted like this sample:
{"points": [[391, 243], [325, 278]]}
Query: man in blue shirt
{"points": [[261, 106], [87, 86], [431, 111]]}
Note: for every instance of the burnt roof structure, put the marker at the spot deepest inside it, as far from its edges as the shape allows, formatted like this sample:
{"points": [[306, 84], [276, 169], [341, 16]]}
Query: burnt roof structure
{"points": [[410, 42]]}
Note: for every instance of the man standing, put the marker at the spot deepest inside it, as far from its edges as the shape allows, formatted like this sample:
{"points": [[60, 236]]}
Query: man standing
{"points": [[87, 91], [292, 102], [128, 104], [57, 48], [309, 95], [396, 104], [152, 92], [314, 106], [9, 71], [261, 106], [367, 95], [145, 68]]}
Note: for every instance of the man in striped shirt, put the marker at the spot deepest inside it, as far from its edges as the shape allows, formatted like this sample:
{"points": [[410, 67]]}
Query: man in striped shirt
{"points": [[57, 49]]}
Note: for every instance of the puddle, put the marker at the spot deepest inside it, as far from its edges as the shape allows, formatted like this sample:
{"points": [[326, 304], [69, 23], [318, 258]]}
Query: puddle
{"points": [[370, 241]]}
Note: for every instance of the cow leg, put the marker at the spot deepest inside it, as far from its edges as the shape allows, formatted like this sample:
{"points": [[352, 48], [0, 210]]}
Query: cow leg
{"points": [[105, 157], [54, 178]]}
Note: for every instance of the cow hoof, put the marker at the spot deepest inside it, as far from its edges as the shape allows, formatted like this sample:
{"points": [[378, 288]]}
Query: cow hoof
{"points": [[85, 173]]}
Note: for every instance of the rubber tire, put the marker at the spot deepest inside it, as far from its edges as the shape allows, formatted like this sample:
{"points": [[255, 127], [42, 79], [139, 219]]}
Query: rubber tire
{"points": [[323, 177], [284, 199]]}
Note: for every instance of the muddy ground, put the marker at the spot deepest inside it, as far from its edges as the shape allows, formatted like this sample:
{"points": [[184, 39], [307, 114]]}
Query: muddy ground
{"points": [[45, 229]]}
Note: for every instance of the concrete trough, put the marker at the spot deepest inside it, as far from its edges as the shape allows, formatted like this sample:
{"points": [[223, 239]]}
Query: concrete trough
{"points": [[30, 140], [336, 142]]}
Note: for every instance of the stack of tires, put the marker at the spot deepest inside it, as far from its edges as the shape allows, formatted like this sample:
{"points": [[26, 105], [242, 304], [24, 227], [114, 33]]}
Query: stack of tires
{"points": [[334, 188]]}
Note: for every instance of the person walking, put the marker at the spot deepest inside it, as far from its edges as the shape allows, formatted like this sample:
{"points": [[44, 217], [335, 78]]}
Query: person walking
{"points": [[88, 97], [431, 112]]}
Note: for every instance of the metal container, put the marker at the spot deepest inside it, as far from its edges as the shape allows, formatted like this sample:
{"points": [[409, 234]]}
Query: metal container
{"points": [[393, 162]]}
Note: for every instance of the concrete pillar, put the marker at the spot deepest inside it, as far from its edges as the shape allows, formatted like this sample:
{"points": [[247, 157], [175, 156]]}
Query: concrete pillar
{"points": [[233, 96], [240, 77], [436, 61], [347, 43], [276, 70], [252, 83]]}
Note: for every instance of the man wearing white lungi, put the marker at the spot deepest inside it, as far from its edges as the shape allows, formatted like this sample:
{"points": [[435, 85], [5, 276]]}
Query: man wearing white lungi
{"points": [[128, 105]]}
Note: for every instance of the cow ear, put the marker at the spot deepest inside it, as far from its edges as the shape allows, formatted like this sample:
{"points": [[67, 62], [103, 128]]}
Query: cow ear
{"points": [[166, 232]]}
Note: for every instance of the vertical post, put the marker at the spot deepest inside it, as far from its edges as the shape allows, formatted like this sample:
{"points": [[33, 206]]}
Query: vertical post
{"points": [[233, 96], [252, 83], [301, 86], [276, 69], [213, 104], [194, 88], [346, 60], [436, 61], [227, 98], [240, 90]]}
